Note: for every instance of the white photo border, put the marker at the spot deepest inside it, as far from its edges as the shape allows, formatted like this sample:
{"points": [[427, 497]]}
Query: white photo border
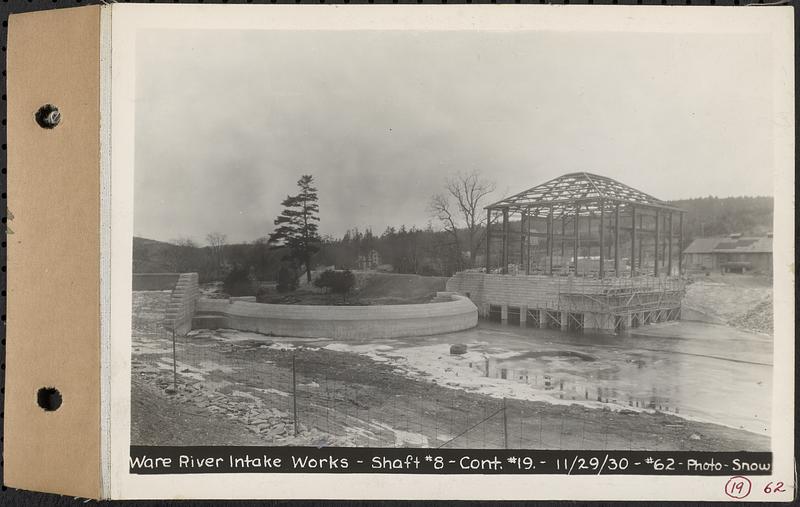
{"points": [[128, 19]]}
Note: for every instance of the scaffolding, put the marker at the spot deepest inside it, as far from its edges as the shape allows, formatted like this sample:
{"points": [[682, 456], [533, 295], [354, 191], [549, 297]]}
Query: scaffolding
{"points": [[622, 303]]}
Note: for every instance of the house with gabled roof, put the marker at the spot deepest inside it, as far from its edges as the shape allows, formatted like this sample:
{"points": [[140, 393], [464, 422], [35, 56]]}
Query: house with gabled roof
{"points": [[730, 254]]}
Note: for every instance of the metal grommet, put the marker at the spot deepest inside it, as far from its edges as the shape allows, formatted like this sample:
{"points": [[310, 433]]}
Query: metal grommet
{"points": [[48, 116]]}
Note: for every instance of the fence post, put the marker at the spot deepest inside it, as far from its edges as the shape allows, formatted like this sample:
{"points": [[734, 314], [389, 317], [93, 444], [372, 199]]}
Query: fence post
{"points": [[505, 424], [174, 364], [294, 392]]}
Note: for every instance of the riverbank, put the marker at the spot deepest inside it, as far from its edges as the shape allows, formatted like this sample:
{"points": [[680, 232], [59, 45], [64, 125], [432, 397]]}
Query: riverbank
{"points": [[740, 301]]}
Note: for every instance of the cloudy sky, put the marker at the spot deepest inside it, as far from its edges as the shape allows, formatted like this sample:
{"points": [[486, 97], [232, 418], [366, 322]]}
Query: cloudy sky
{"points": [[227, 121]]}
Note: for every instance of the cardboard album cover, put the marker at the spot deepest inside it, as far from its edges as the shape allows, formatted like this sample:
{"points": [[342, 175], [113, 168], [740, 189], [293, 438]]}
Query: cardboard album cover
{"points": [[488, 252]]}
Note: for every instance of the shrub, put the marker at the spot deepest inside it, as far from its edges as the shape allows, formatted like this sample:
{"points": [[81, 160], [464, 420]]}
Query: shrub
{"points": [[287, 279], [338, 282], [238, 282]]}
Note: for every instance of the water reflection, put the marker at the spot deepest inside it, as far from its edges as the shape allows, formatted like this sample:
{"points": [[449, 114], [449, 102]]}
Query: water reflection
{"points": [[566, 386], [710, 372]]}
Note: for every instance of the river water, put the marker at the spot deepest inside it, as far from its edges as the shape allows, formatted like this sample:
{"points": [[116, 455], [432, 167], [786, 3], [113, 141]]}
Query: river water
{"points": [[704, 371]]}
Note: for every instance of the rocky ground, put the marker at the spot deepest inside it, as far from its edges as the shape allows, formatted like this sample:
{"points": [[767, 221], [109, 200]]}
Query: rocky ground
{"points": [[237, 388], [742, 301]]}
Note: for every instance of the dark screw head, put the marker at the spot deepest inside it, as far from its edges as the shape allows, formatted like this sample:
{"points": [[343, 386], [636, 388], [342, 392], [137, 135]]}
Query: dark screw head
{"points": [[48, 116]]}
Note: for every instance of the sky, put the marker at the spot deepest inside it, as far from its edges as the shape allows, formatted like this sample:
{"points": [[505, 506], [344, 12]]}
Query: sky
{"points": [[228, 121]]}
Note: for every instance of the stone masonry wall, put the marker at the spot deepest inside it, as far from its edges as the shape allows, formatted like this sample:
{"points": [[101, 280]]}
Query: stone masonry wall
{"points": [[456, 313], [183, 303]]}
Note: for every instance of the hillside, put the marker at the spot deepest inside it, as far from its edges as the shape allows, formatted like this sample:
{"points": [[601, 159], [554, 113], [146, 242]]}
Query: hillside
{"points": [[151, 256], [715, 216]]}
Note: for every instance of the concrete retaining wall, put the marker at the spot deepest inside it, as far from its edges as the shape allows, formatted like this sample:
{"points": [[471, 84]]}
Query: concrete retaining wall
{"points": [[542, 291], [155, 281], [183, 303], [567, 301], [340, 322], [534, 291]]}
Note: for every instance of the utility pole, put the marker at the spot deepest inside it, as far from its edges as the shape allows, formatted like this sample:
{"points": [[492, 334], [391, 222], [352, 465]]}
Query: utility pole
{"points": [[174, 363]]}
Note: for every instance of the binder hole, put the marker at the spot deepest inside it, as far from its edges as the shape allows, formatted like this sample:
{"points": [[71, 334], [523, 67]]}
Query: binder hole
{"points": [[48, 116], [48, 398]]}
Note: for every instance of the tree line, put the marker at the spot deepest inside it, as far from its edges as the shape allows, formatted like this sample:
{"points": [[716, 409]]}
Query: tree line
{"points": [[452, 241], [720, 216]]}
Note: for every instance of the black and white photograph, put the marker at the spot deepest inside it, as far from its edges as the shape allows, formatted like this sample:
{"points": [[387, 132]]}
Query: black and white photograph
{"points": [[453, 239]]}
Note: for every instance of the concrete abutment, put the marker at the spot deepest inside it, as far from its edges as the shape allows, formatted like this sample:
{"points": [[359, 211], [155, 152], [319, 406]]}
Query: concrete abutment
{"points": [[608, 305]]}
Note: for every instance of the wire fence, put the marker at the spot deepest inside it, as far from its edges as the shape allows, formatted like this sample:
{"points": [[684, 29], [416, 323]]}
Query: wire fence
{"points": [[287, 395]]}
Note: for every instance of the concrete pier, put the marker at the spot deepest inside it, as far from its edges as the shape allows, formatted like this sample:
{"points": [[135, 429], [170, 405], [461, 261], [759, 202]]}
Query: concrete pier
{"points": [[607, 305]]}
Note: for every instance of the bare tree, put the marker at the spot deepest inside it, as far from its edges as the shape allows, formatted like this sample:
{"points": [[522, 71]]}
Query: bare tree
{"points": [[216, 241], [460, 210], [182, 255]]}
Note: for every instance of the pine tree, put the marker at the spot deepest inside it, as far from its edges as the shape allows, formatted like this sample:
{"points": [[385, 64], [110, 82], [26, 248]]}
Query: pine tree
{"points": [[297, 224]]}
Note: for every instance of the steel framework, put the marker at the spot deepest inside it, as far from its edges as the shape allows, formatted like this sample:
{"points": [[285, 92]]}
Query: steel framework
{"points": [[575, 198]]}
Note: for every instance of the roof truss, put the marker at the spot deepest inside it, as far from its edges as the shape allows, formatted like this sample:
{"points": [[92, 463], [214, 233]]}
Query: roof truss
{"points": [[589, 191]]}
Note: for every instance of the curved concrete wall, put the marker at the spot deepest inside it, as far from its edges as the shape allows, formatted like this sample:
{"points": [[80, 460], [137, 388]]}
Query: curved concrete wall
{"points": [[344, 322]]}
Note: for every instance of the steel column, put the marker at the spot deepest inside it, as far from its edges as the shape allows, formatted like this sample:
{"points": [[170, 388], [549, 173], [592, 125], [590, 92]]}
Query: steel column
{"points": [[633, 240], [616, 240], [669, 247], [658, 230], [488, 238], [576, 242], [528, 235], [602, 227], [505, 241], [680, 244], [641, 243], [663, 243], [550, 238], [522, 223]]}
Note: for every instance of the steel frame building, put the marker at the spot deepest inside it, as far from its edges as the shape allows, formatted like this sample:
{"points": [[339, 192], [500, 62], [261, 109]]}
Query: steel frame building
{"points": [[621, 214]]}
